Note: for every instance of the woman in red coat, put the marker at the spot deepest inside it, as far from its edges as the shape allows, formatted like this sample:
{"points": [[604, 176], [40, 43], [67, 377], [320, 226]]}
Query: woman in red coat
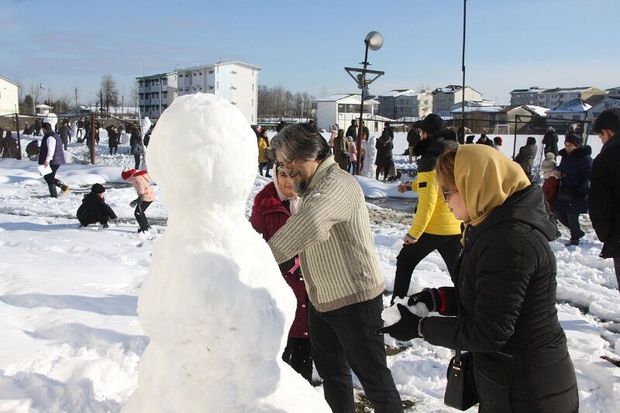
{"points": [[273, 205]]}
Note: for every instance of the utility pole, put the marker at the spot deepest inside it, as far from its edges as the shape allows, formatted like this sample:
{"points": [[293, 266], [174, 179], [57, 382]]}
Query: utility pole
{"points": [[77, 110], [100, 104]]}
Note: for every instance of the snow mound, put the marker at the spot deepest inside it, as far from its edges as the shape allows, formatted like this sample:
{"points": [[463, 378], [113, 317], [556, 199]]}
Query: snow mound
{"points": [[214, 302]]}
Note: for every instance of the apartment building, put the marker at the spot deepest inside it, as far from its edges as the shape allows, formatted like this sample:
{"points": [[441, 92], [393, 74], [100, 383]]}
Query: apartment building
{"points": [[236, 81]]}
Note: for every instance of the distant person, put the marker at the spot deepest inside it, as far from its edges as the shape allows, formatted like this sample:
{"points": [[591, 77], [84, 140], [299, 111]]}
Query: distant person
{"points": [[470, 139], [136, 147], [484, 140], [65, 134], [80, 131], [94, 208], [385, 158], [413, 137], [52, 155], [352, 147], [113, 139], [8, 145], [526, 156], [460, 135], [551, 184], [341, 150], [272, 207], [498, 142], [142, 184], [434, 227], [550, 141], [604, 195], [332, 136], [263, 146], [32, 150], [572, 199], [352, 130]]}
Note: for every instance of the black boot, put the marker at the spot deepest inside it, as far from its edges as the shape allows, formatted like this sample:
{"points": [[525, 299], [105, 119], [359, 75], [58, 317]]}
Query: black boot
{"points": [[53, 191]]}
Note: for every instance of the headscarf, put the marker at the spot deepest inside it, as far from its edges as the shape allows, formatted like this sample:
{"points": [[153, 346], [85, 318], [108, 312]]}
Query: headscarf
{"points": [[292, 200], [485, 178]]}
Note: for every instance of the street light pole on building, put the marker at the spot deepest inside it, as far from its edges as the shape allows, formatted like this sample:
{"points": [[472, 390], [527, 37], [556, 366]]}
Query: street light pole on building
{"points": [[373, 41]]}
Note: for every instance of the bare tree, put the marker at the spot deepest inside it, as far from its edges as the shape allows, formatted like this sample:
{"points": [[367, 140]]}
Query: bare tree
{"points": [[109, 91]]}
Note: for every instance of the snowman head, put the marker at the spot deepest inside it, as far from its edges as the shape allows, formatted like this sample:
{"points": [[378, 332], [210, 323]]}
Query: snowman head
{"points": [[203, 156]]}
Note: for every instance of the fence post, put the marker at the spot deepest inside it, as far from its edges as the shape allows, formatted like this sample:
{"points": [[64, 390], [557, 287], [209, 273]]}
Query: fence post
{"points": [[19, 143], [92, 139]]}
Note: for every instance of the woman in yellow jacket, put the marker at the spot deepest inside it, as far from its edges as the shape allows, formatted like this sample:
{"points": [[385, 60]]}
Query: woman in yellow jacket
{"points": [[263, 146], [434, 227]]}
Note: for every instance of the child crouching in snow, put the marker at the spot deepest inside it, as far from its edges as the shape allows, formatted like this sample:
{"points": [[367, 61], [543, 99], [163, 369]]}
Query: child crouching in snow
{"points": [[141, 182], [94, 209]]}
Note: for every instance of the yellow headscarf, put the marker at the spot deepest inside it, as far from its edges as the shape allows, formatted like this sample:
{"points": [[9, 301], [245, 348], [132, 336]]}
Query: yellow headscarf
{"points": [[485, 178]]}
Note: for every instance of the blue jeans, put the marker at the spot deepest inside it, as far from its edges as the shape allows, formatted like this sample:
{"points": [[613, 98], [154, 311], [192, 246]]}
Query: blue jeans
{"points": [[345, 339]]}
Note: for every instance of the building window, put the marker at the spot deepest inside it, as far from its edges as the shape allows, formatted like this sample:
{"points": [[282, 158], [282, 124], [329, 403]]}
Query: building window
{"points": [[211, 71], [233, 72], [233, 87]]}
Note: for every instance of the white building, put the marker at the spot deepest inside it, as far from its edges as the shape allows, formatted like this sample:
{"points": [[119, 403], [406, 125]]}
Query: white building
{"points": [[575, 109], [405, 103], [342, 109], [9, 100], [445, 97], [237, 82], [551, 98], [525, 96]]}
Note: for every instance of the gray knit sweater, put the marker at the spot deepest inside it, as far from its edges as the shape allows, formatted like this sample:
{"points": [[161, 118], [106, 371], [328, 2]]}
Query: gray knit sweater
{"points": [[331, 234]]}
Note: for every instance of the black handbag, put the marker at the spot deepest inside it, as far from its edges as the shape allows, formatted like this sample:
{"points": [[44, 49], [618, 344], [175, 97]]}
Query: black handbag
{"points": [[460, 391]]}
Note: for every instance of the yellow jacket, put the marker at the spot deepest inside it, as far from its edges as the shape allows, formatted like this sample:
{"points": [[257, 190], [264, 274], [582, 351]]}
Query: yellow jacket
{"points": [[263, 145], [432, 213]]}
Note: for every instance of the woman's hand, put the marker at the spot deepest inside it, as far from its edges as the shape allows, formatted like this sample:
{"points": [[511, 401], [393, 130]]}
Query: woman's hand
{"points": [[409, 240]]}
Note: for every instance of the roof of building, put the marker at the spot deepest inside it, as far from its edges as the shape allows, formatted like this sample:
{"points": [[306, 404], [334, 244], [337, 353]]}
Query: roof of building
{"points": [[399, 92], [573, 106], [351, 99], [221, 63], [9, 80], [606, 99], [452, 89], [528, 90], [567, 89]]}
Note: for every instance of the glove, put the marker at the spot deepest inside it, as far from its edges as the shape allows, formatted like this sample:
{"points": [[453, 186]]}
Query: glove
{"points": [[134, 202], [428, 296], [406, 328]]}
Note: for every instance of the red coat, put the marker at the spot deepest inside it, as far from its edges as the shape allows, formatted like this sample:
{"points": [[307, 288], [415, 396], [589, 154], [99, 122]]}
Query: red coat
{"points": [[269, 214], [550, 189]]}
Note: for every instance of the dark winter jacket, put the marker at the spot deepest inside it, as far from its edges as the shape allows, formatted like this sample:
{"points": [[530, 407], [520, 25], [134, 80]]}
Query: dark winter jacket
{"points": [[506, 291], [8, 146], [64, 132], [384, 148], [604, 197], [93, 210], [413, 137], [575, 169], [113, 137], [352, 132], [135, 143], [550, 142], [525, 158], [341, 152], [429, 150], [59, 156], [269, 214]]}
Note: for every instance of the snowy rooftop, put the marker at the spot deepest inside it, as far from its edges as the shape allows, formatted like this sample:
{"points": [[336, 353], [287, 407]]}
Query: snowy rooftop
{"points": [[399, 92], [574, 106], [351, 99]]}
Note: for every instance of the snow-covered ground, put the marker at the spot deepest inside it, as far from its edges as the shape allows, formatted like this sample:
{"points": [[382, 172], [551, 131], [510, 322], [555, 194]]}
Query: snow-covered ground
{"points": [[71, 340]]}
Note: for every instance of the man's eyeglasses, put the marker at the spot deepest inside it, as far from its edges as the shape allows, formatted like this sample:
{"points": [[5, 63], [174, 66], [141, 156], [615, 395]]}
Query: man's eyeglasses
{"points": [[447, 194], [286, 164]]}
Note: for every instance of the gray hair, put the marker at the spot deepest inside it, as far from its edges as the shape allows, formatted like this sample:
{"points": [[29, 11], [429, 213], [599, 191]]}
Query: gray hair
{"points": [[300, 141]]}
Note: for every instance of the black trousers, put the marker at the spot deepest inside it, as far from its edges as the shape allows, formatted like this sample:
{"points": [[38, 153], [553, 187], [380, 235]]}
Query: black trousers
{"points": [[136, 159], [571, 221], [617, 269], [448, 246], [140, 216], [346, 339], [297, 355], [52, 182]]}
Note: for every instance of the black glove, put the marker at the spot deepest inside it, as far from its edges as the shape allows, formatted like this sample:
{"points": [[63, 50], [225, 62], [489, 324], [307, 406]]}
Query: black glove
{"points": [[406, 328], [135, 202], [428, 296]]}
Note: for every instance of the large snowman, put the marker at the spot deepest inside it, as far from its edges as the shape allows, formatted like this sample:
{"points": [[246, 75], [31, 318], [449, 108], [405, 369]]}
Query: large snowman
{"points": [[214, 303]]}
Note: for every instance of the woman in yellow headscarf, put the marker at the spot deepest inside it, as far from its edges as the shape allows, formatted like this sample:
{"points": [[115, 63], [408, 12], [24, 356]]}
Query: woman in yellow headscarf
{"points": [[503, 304]]}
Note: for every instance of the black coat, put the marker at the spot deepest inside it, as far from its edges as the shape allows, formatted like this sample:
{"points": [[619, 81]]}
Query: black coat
{"points": [[93, 210], [604, 197], [525, 158], [384, 148], [506, 289], [429, 150], [575, 169], [550, 142]]}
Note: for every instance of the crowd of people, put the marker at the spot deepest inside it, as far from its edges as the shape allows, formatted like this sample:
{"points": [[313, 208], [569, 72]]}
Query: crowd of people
{"points": [[490, 220]]}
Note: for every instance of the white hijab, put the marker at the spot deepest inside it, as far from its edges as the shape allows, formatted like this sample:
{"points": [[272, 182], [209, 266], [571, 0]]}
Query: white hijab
{"points": [[292, 200]]}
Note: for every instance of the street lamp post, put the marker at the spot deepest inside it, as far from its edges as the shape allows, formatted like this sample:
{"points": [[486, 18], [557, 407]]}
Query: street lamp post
{"points": [[373, 41]]}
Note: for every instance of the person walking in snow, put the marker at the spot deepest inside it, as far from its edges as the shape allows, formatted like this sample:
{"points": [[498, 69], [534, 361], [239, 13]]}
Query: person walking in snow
{"points": [[142, 184], [433, 227], [352, 148], [135, 146], [263, 145], [550, 141], [52, 155], [413, 137], [604, 195], [113, 139], [385, 157], [526, 156], [502, 307], [272, 207], [331, 234], [341, 150], [94, 208], [572, 199], [65, 134], [352, 130], [8, 145]]}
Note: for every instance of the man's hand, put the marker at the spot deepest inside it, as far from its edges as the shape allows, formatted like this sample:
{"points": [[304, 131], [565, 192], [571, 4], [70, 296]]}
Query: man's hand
{"points": [[46, 163], [406, 328], [409, 240]]}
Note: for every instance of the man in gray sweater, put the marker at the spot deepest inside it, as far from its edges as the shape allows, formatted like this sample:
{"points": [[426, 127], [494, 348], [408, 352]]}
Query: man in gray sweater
{"points": [[331, 234]]}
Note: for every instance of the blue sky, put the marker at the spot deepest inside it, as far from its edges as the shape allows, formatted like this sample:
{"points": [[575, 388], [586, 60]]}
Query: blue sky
{"points": [[304, 45]]}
